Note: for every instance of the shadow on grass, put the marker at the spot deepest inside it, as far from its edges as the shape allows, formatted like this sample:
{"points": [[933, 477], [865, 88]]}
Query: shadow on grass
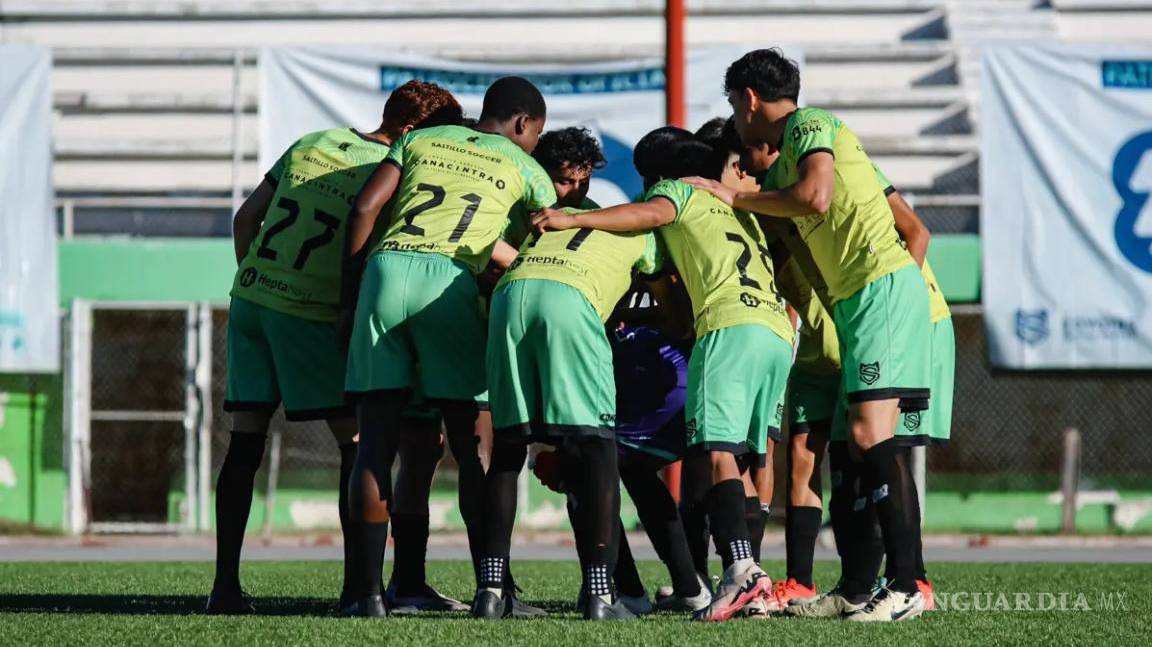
{"points": [[176, 605], [183, 605]]}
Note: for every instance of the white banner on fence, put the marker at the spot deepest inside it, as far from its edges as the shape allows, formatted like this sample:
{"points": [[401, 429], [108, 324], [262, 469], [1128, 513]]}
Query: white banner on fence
{"points": [[1066, 220], [307, 89], [29, 294]]}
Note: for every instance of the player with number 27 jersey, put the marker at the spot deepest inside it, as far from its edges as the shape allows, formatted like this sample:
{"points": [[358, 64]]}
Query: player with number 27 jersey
{"points": [[286, 294]]}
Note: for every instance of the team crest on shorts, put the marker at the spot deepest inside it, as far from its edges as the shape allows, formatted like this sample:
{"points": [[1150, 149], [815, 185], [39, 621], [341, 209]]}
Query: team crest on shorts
{"points": [[912, 420], [869, 373]]}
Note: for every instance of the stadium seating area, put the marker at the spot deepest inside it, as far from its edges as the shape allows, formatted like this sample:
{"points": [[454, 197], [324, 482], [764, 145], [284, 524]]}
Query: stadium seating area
{"points": [[147, 93]]}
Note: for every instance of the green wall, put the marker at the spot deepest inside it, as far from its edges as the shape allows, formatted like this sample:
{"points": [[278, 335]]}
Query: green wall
{"points": [[32, 478], [146, 269]]}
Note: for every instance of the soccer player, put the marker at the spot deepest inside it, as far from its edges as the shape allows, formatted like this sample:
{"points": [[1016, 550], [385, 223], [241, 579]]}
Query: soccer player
{"points": [[453, 188], [720, 134], [743, 348], [570, 156], [880, 303], [282, 341]]}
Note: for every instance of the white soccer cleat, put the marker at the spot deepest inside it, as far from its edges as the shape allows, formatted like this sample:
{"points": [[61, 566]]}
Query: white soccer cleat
{"points": [[890, 606], [737, 589], [832, 604]]}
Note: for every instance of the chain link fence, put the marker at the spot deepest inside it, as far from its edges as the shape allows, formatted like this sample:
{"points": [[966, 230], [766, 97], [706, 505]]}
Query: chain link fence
{"points": [[1007, 425]]}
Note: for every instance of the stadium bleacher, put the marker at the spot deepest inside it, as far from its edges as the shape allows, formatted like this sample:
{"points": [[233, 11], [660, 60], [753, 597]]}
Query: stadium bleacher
{"points": [[146, 93]]}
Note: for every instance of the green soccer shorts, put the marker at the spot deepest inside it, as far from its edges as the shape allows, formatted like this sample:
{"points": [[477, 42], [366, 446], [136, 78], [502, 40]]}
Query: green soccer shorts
{"points": [[934, 426], [811, 398], [736, 382], [275, 357], [549, 364], [417, 309], [885, 338]]}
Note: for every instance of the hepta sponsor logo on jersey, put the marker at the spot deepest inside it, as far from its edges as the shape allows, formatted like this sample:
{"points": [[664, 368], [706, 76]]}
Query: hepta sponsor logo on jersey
{"points": [[251, 276], [1032, 327]]}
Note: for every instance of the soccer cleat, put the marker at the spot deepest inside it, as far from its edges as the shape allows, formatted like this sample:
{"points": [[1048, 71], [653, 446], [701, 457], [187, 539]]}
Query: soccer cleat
{"points": [[598, 609], [639, 605], [929, 594], [369, 606], [228, 602], [833, 604], [487, 605], [428, 599], [756, 609], [890, 606], [736, 590], [693, 603], [789, 592], [514, 607]]}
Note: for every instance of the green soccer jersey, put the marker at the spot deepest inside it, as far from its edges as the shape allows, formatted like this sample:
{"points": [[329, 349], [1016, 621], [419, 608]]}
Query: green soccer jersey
{"points": [[519, 223], [293, 265], [937, 303], [457, 190], [723, 258], [598, 263], [855, 242]]}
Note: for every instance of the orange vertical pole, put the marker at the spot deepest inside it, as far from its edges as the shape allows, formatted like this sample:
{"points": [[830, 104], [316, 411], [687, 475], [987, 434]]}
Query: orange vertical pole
{"points": [[675, 116], [674, 62]]}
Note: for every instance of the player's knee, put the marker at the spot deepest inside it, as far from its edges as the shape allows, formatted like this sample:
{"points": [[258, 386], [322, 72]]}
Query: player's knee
{"points": [[251, 422], [343, 430]]}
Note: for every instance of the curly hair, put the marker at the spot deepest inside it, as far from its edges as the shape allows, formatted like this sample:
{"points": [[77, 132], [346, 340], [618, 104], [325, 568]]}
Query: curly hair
{"points": [[421, 105], [575, 147], [767, 72]]}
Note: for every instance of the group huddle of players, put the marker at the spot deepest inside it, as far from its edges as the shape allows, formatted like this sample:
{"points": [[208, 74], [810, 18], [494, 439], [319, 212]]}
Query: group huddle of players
{"points": [[443, 279]]}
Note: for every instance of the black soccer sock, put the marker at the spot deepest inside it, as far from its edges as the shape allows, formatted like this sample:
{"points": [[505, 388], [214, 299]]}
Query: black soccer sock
{"points": [[845, 507], [726, 517], [661, 519], [500, 506], [888, 476], [471, 486], [801, 528], [695, 482], [410, 545], [756, 517], [347, 525], [234, 488], [596, 498], [374, 542], [626, 577]]}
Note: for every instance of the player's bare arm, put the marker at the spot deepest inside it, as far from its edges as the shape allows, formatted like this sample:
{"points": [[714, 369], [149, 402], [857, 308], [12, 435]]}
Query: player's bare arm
{"points": [[812, 194], [246, 223], [503, 254], [641, 216], [913, 230]]}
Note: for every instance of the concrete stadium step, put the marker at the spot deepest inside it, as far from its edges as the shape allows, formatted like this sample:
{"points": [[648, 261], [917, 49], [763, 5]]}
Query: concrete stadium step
{"points": [[486, 33]]}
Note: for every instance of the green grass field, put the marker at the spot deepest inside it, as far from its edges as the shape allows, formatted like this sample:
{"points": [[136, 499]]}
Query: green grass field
{"points": [[159, 603]]}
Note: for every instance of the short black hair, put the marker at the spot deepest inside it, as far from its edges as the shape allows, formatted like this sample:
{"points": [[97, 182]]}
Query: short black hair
{"points": [[720, 133], [653, 156], [469, 122], [510, 96], [573, 146], [768, 72], [695, 157]]}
